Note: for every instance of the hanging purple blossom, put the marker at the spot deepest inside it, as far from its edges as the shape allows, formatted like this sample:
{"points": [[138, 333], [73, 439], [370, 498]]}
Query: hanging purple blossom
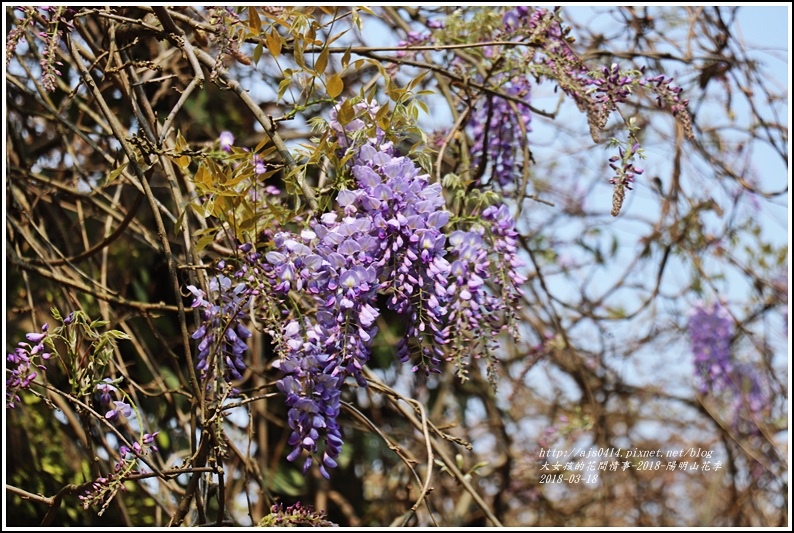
{"points": [[24, 364], [710, 331]]}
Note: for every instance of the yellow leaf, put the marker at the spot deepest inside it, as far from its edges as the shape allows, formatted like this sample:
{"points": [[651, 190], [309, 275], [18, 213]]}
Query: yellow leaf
{"points": [[334, 86], [322, 62], [202, 176], [414, 82], [254, 21], [181, 144], [346, 113], [274, 43], [298, 54], [335, 37], [346, 58], [183, 161]]}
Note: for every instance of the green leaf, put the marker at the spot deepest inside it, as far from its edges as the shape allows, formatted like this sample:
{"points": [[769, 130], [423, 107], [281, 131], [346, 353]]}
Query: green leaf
{"points": [[98, 323], [258, 51], [283, 86], [115, 174], [116, 334]]}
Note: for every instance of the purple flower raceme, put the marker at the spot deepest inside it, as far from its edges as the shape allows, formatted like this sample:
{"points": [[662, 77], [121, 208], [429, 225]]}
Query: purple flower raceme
{"points": [[710, 331], [608, 90], [499, 129], [222, 335], [312, 387], [24, 364], [668, 96], [388, 240], [104, 488]]}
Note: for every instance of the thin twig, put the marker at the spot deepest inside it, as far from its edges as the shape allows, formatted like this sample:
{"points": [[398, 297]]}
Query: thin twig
{"points": [[393, 397], [177, 36], [118, 132]]}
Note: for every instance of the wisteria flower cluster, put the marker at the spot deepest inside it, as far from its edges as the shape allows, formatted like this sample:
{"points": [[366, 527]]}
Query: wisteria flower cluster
{"points": [[389, 241], [610, 90], [227, 36], [711, 331], [56, 20], [625, 170], [386, 246], [669, 96], [17, 33], [499, 129], [222, 334], [102, 490], [295, 515], [24, 364]]}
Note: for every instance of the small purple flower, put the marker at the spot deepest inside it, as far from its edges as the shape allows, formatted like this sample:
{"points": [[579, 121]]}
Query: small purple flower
{"points": [[21, 364], [510, 20], [122, 409], [259, 166], [105, 388], [226, 140]]}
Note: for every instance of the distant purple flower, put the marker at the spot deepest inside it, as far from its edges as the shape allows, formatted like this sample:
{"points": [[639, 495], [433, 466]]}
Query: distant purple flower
{"points": [[259, 165], [414, 38], [710, 331], [226, 140]]}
